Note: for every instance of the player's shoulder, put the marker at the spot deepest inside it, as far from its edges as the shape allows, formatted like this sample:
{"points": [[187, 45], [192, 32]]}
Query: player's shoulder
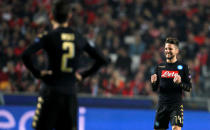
{"points": [[42, 34], [77, 33], [161, 65], [40, 37], [182, 63]]}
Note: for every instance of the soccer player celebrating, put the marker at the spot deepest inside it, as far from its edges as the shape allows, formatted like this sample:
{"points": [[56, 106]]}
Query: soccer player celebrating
{"points": [[170, 78], [57, 103]]}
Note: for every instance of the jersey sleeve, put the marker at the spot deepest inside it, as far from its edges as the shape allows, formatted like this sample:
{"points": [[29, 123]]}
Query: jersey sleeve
{"points": [[156, 84], [186, 80], [27, 55], [99, 59]]}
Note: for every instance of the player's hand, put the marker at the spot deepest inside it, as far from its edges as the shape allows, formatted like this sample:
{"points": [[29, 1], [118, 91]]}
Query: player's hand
{"points": [[153, 78], [78, 76], [177, 79], [46, 72]]}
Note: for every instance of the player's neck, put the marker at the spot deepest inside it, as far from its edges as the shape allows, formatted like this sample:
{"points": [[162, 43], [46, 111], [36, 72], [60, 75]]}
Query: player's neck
{"points": [[173, 60], [56, 25]]}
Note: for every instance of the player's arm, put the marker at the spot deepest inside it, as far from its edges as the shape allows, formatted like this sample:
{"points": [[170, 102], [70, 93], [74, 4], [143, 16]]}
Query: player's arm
{"points": [[186, 80], [99, 60], [155, 80], [27, 57]]}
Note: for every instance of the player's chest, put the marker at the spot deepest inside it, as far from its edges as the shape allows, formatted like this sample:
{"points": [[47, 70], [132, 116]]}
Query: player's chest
{"points": [[167, 72]]}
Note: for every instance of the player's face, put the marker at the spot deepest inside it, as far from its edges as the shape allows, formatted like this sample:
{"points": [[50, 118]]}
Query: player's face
{"points": [[171, 51]]}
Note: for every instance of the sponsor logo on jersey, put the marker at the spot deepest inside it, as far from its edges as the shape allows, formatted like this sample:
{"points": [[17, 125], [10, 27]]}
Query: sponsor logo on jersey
{"points": [[169, 74]]}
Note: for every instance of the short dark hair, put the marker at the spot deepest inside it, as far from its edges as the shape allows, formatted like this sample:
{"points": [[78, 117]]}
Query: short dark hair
{"points": [[172, 40], [61, 10]]}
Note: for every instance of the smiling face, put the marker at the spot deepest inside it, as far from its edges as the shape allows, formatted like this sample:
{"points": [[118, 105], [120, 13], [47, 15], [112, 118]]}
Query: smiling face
{"points": [[171, 51]]}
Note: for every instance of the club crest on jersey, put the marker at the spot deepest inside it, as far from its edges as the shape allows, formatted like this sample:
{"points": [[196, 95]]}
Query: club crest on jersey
{"points": [[169, 74], [179, 67]]}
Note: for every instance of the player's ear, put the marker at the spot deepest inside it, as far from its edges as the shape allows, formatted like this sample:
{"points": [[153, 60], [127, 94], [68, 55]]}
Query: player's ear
{"points": [[70, 15], [50, 15], [177, 50], [51, 18]]}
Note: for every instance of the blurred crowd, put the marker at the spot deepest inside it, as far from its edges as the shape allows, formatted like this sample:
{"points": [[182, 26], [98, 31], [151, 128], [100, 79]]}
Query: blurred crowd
{"points": [[130, 32]]}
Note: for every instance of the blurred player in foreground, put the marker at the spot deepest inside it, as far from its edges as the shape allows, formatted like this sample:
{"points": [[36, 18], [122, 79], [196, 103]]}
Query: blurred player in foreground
{"points": [[57, 104], [170, 78]]}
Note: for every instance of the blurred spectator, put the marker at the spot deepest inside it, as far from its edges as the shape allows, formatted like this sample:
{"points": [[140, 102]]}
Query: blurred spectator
{"points": [[115, 45], [20, 48], [191, 48], [128, 89], [123, 62], [138, 84], [138, 47], [10, 56], [114, 85], [95, 89], [5, 85]]}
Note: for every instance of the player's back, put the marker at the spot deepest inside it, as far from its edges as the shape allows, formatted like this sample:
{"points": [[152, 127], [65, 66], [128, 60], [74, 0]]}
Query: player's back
{"points": [[63, 47]]}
